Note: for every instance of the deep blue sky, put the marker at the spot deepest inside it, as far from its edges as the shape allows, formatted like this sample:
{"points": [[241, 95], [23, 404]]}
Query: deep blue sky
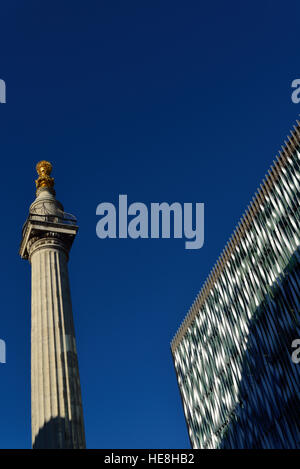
{"points": [[163, 101]]}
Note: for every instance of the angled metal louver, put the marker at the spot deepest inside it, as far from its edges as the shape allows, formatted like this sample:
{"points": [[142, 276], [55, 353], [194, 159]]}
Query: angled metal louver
{"points": [[244, 387]]}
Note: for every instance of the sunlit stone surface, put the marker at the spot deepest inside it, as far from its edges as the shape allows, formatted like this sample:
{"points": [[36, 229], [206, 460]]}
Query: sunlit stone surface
{"points": [[56, 407]]}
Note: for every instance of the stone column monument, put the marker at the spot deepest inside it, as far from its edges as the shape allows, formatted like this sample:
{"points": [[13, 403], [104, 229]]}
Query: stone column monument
{"points": [[47, 236]]}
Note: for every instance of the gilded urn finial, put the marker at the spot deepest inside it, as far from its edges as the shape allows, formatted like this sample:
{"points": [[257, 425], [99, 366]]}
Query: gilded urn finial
{"points": [[44, 169]]}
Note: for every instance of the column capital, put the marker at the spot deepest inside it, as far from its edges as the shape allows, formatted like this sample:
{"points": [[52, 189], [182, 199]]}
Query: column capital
{"points": [[50, 228], [50, 240]]}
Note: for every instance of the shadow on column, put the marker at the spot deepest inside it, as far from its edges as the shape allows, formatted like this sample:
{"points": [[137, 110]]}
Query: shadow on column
{"points": [[58, 434]]}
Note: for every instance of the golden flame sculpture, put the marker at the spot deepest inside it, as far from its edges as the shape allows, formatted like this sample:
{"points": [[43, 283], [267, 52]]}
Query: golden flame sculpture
{"points": [[44, 169]]}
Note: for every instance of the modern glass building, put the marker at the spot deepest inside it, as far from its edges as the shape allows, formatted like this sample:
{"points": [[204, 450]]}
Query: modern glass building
{"points": [[233, 352]]}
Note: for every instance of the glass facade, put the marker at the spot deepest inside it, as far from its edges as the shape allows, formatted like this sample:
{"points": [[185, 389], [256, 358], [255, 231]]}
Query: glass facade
{"points": [[233, 352]]}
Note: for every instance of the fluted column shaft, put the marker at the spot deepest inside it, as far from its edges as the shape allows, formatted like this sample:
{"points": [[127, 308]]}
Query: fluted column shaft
{"points": [[56, 407]]}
